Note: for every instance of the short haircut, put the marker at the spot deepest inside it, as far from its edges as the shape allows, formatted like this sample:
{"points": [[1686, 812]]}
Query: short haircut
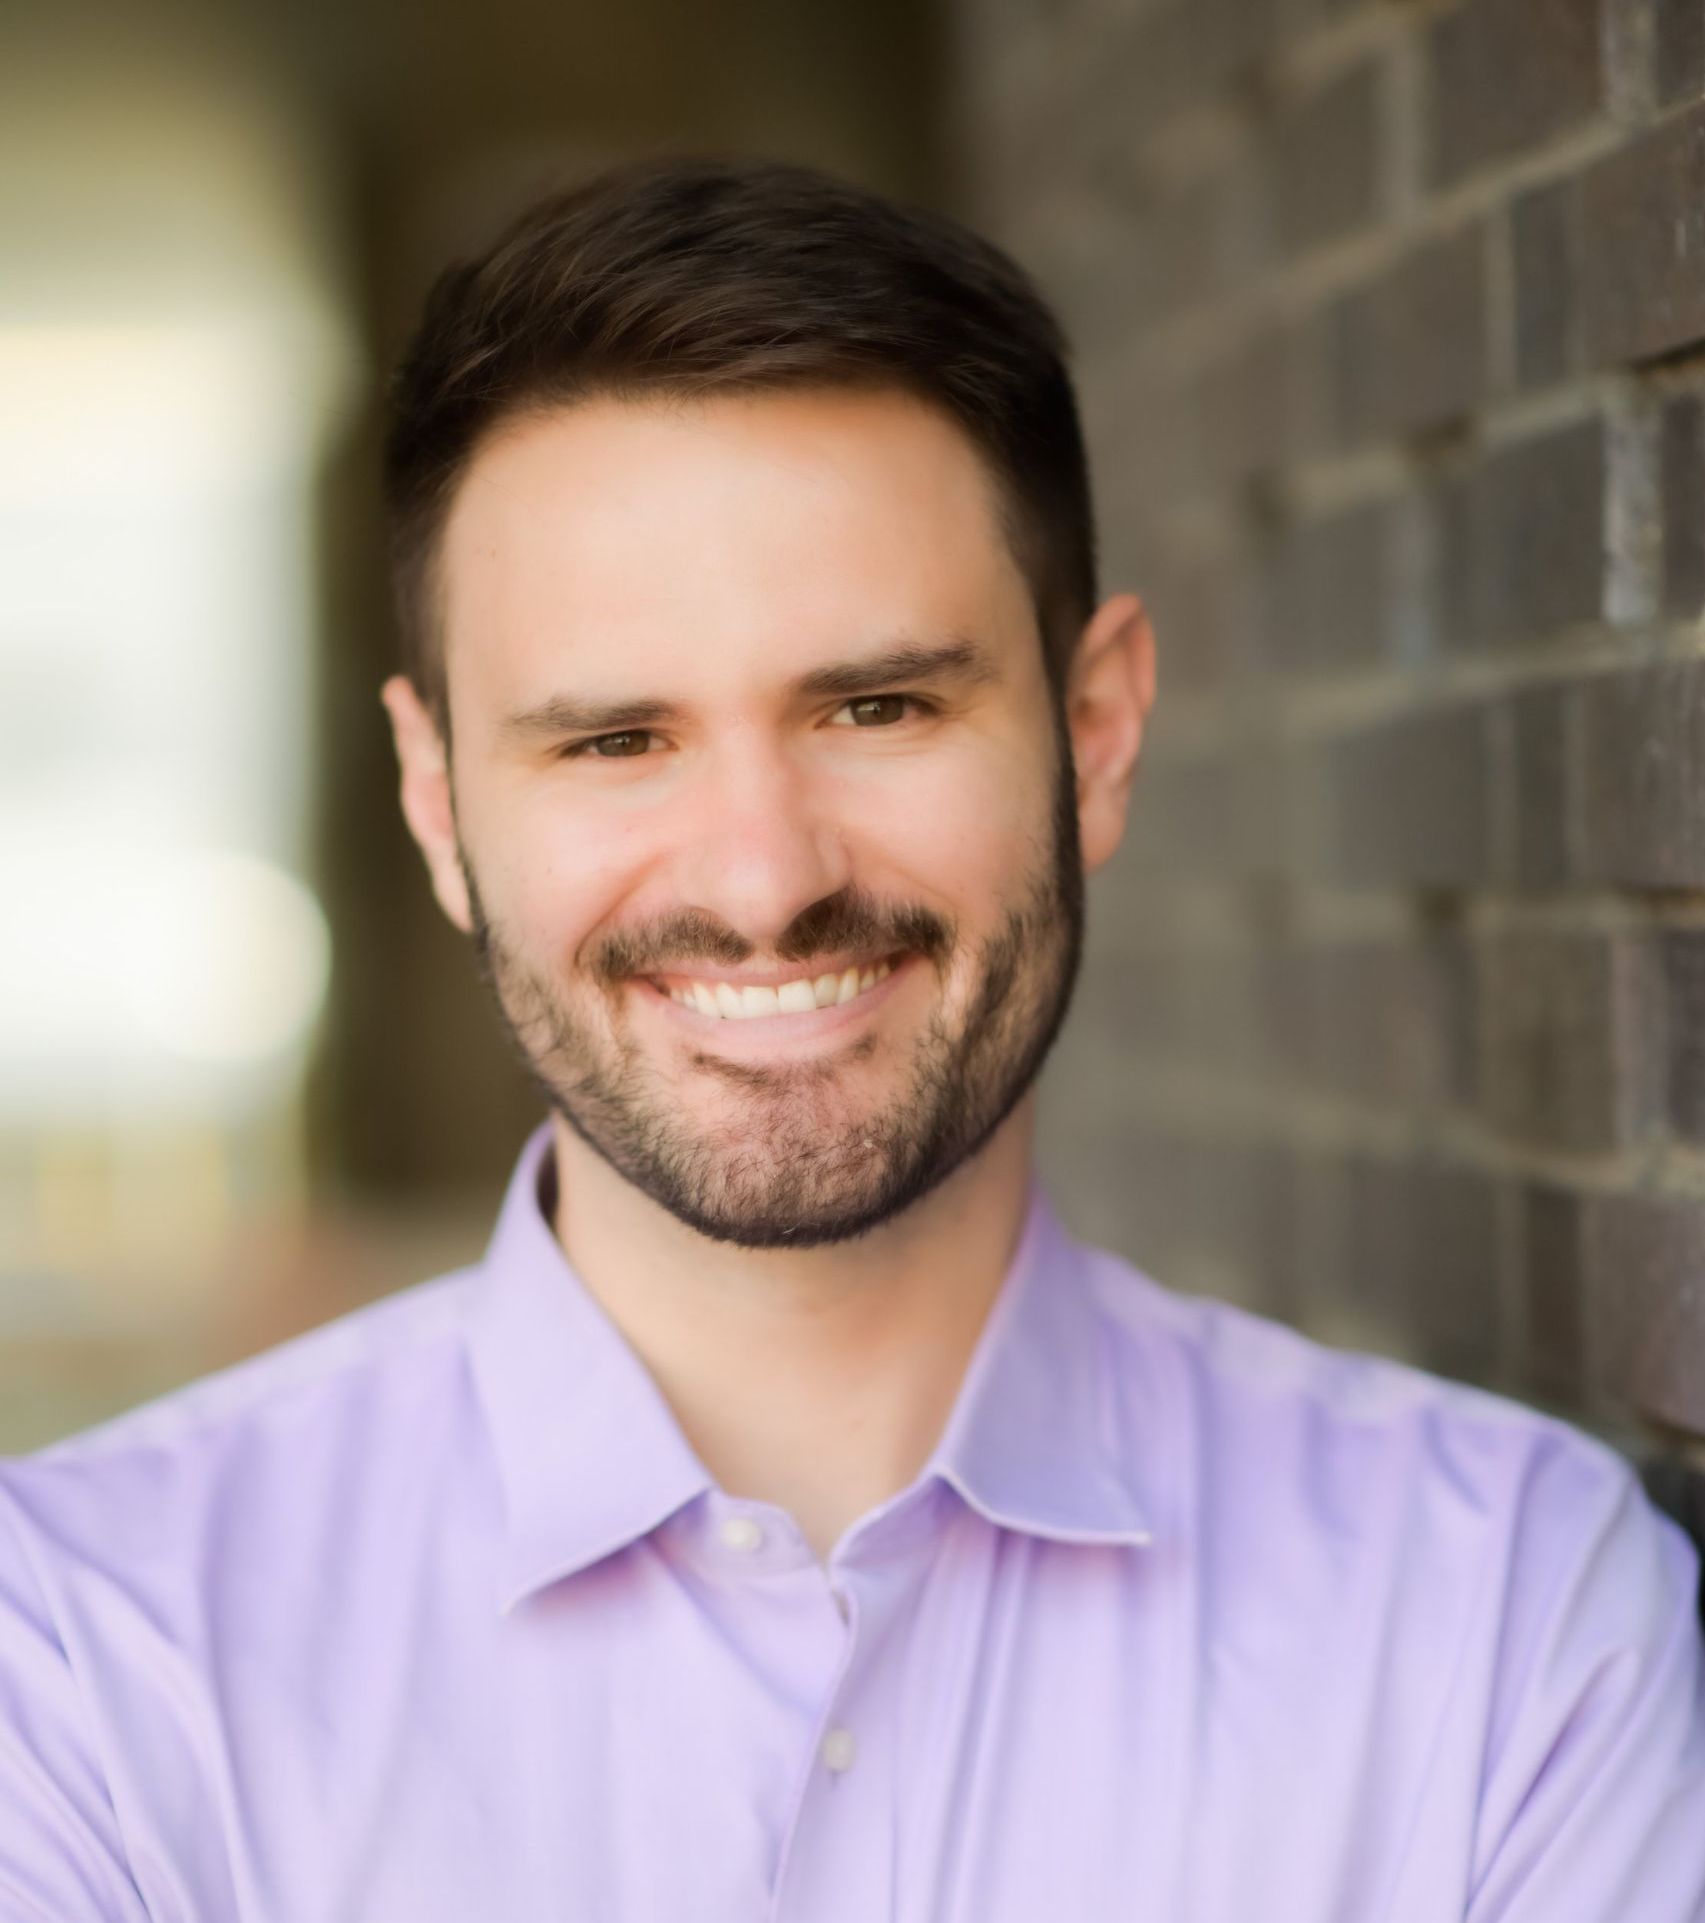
{"points": [[699, 277]]}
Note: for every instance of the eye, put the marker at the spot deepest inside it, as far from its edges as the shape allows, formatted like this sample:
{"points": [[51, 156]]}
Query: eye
{"points": [[612, 747], [879, 710]]}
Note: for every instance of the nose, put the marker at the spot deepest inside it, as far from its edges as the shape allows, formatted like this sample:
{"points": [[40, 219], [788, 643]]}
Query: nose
{"points": [[760, 845]]}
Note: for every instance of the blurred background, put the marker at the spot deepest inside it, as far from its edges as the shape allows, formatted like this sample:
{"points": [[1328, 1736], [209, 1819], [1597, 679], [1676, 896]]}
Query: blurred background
{"points": [[1390, 324], [247, 1076]]}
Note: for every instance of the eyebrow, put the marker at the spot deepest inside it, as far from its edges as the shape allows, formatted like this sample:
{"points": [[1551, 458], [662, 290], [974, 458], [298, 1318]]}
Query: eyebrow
{"points": [[956, 660]]}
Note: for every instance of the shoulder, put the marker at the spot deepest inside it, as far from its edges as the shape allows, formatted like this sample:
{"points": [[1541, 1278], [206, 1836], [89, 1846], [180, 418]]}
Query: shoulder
{"points": [[1274, 1431], [1493, 1575], [280, 1428]]}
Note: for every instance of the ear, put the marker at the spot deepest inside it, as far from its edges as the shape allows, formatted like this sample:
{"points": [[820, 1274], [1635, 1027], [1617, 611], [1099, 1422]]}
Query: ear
{"points": [[1110, 689], [427, 806]]}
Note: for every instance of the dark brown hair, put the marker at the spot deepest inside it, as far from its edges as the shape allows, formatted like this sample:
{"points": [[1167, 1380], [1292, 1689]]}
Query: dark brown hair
{"points": [[690, 277]]}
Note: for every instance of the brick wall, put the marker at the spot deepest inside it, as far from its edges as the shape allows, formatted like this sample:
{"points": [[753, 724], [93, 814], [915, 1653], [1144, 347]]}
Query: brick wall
{"points": [[1391, 334]]}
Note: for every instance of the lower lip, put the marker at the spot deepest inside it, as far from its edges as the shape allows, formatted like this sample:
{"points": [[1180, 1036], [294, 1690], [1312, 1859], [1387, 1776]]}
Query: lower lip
{"points": [[764, 1034]]}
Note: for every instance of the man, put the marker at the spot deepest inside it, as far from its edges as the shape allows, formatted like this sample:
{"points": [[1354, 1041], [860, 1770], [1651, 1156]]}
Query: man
{"points": [[787, 1519]]}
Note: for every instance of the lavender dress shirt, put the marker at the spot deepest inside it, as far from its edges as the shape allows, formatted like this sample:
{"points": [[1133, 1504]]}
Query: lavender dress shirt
{"points": [[433, 1616]]}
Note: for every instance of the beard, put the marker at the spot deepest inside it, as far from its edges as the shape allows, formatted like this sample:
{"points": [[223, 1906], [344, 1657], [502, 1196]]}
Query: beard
{"points": [[799, 1162]]}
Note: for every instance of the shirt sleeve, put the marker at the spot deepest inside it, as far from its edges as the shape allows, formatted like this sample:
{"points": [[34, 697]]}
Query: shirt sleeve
{"points": [[1593, 1801], [61, 1857]]}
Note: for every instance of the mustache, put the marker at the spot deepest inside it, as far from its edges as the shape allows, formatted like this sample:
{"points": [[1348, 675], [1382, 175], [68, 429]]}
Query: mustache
{"points": [[850, 919]]}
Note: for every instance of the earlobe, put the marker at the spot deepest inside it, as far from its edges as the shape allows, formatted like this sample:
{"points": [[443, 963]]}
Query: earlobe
{"points": [[1109, 693], [427, 803]]}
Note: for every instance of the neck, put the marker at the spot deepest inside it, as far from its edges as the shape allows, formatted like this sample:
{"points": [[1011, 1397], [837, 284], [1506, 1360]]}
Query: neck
{"points": [[815, 1379]]}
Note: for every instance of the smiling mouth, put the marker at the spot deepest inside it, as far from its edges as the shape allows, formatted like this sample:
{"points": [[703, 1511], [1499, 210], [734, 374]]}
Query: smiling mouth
{"points": [[744, 1002]]}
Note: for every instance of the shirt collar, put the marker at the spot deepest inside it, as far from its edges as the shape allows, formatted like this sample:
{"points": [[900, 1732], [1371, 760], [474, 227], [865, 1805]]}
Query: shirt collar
{"points": [[588, 1451], [1034, 1441], [591, 1458]]}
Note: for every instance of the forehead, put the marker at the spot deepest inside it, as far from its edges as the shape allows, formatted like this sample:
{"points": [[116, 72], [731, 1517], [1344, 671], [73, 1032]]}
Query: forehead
{"points": [[762, 532]]}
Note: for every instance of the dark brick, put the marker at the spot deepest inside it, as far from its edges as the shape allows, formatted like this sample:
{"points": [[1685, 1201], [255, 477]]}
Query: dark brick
{"points": [[1521, 548], [1229, 36], [1641, 776], [1213, 814], [1322, 163], [1449, 965], [1096, 1156], [1641, 240], [1275, 1249], [1151, 437], [1187, 1005], [1645, 1272], [1409, 803], [1543, 269], [1564, 1060], [1170, 246], [1377, 1020], [1175, 56], [1324, 592], [1094, 272], [1681, 953], [1553, 1363], [1205, 623], [1410, 346], [1678, 51], [1682, 443], [1535, 763], [1221, 993], [1287, 1012], [1421, 1251], [1507, 74], [1269, 781], [1125, 555], [1308, 346], [1256, 408], [1678, 1489], [1184, 250], [1255, 1237], [1140, 1200], [1198, 1212]]}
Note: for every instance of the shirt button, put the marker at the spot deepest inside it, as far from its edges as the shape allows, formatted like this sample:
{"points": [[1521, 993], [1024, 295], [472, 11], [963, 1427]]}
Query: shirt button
{"points": [[839, 1749], [741, 1532]]}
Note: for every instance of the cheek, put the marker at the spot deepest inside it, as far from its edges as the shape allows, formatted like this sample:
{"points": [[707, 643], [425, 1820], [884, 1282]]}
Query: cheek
{"points": [[553, 881], [963, 827]]}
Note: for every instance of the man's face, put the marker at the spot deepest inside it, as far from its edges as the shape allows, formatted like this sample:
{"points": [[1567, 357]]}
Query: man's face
{"points": [[763, 823]]}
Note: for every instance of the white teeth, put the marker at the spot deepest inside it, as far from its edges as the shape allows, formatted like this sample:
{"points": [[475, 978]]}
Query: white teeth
{"points": [[723, 1000]]}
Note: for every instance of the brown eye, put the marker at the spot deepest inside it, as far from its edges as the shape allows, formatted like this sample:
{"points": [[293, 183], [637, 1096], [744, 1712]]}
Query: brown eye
{"points": [[877, 710], [630, 742]]}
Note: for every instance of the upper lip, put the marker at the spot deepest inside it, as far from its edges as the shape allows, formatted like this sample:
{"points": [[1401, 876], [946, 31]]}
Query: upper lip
{"points": [[771, 977]]}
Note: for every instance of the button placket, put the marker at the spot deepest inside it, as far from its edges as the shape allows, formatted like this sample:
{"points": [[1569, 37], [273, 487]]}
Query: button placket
{"points": [[837, 1854]]}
